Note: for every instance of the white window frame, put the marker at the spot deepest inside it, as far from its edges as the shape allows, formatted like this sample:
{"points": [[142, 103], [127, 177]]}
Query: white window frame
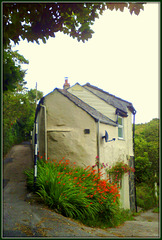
{"points": [[121, 126]]}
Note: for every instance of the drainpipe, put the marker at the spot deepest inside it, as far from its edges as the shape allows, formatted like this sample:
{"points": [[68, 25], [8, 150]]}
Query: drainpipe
{"points": [[134, 130], [35, 153], [134, 158], [45, 131], [98, 144]]}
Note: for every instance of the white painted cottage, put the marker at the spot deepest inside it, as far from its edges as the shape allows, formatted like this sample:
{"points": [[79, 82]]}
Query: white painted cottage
{"points": [[72, 122]]}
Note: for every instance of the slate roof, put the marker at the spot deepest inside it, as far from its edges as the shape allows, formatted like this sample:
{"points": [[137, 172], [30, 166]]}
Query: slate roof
{"points": [[116, 102], [90, 110]]}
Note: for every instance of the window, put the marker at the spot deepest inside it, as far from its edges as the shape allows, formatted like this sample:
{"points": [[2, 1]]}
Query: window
{"points": [[120, 127]]}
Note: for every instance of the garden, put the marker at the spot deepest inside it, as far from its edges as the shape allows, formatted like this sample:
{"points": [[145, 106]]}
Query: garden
{"points": [[78, 193]]}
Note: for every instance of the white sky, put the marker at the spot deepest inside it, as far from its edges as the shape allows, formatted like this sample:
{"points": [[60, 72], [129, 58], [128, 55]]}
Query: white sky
{"points": [[122, 58]]}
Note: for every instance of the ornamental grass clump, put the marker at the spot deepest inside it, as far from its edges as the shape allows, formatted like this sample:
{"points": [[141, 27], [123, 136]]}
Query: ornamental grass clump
{"points": [[76, 192]]}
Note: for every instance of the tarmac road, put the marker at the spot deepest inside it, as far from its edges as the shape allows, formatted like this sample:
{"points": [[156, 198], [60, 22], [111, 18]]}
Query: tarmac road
{"points": [[24, 216]]}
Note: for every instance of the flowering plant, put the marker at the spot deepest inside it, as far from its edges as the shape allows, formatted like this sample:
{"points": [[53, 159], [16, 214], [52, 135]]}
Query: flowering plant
{"points": [[76, 192], [118, 170]]}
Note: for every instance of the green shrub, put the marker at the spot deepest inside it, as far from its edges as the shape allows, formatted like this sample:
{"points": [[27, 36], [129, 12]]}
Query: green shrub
{"points": [[145, 196], [77, 193], [156, 210], [11, 135]]}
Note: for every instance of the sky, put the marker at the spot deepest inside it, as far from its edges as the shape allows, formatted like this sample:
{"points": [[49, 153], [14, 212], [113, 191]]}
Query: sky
{"points": [[122, 58]]}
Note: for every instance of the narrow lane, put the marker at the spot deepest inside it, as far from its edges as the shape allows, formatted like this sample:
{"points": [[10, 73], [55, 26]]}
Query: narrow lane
{"points": [[24, 216]]}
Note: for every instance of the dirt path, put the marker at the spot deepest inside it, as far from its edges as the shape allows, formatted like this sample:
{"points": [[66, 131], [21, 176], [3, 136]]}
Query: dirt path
{"points": [[23, 216]]}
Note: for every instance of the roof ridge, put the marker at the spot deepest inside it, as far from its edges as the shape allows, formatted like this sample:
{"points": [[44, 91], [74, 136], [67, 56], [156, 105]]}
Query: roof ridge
{"points": [[101, 90]]}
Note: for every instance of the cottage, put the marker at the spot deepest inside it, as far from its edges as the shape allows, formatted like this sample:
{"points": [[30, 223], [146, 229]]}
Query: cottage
{"points": [[75, 122]]}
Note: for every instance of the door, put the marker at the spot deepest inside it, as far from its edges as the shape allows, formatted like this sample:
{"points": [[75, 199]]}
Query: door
{"points": [[132, 192]]}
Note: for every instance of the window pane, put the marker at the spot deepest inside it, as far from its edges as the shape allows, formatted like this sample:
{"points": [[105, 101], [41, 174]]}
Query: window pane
{"points": [[120, 132], [120, 121]]}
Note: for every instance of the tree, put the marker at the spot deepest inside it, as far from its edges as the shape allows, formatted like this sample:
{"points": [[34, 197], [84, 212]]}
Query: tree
{"points": [[18, 116], [32, 95], [33, 21], [13, 75], [147, 152]]}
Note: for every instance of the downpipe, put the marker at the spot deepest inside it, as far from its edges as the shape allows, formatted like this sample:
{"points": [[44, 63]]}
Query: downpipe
{"points": [[36, 145], [98, 144], [35, 153], [134, 159], [45, 131]]}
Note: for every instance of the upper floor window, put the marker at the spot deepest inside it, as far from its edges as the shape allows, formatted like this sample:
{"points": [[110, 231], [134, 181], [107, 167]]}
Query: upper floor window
{"points": [[120, 128]]}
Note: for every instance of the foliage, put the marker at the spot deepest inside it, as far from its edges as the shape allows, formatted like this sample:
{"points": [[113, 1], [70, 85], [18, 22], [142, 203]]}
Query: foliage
{"points": [[77, 193], [117, 171], [142, 168], [156, 210], [13, 75], [147, 152], [145, 197], [147, 163], [18, 117], [42, 20], [36, 21], [32, 95]]}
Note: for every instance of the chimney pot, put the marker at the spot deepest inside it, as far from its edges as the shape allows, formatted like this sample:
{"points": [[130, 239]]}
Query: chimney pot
{"points": [[66, 84]]}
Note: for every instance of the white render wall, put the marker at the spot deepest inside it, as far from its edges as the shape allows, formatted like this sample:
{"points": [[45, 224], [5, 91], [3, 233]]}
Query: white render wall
{"points": [[114, 151], [94, 101], [66, 138], [108, 111], [65, 131]]}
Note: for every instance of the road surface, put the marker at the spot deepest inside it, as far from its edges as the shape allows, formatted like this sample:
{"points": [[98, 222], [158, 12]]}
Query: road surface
{"points": [[25, 216]]}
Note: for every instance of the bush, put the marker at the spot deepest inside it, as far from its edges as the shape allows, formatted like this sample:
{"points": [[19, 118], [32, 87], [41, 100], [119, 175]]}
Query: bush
{"points": [[156, 210], [145, 196], [77, 193], [11, 136]]}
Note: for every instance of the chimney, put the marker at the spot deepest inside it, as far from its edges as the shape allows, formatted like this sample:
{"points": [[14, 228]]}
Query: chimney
{"points": [[66, 84]]}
